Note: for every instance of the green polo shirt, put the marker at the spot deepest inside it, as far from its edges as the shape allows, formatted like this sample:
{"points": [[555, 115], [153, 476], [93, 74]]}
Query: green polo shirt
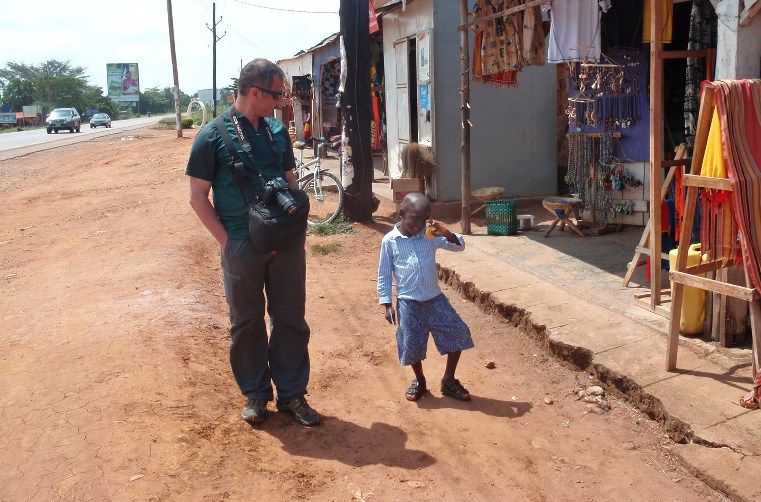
{"points": [[209, 160]]}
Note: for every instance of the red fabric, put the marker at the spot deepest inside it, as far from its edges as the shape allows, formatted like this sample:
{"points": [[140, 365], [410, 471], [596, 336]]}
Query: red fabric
{"points": [[739, 106]]}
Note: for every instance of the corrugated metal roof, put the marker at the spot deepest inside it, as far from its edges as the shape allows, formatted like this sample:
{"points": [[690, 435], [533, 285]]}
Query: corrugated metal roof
{"points": [[322, 43]]}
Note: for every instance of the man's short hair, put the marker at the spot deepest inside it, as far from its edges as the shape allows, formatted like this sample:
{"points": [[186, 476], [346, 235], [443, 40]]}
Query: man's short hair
{"points": [[259, 72]]}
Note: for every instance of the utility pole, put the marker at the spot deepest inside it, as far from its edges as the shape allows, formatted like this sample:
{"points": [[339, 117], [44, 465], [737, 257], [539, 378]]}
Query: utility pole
{"points": [[465, 117], [176, 90], [355, 106], [215, 39]]}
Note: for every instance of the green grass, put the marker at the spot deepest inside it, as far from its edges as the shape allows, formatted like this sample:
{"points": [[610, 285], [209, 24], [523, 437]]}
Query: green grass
{"points": [[327, 248], [337, 226]]}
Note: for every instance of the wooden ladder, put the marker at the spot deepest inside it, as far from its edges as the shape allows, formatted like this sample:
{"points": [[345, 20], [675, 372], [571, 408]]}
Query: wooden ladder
{"points": [[682, 275]]}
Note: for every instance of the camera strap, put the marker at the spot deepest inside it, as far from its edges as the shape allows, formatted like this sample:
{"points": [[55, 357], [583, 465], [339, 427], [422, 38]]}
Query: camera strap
{"points": [[238, 162]]}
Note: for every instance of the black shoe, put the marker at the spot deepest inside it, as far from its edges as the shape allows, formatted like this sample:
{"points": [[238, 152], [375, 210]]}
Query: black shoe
{"points": [[301, 411], [255, 411]]}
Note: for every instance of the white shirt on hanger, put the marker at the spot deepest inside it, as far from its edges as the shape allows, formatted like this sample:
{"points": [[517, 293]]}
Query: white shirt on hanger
{"points": [[575, 30]]}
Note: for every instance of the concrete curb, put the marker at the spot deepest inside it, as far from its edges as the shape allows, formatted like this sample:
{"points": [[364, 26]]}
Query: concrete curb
{"points": [[582, 358]]}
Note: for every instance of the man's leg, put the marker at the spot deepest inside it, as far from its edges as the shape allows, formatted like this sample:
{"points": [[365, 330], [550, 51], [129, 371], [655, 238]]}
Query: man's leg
{"points": [[286, 297], [243, 274]]}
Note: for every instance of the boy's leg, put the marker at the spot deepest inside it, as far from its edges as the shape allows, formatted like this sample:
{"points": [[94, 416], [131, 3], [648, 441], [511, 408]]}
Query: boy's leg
{"points": [[418, 369], [452, 359], [452, 336], [411, 341]]}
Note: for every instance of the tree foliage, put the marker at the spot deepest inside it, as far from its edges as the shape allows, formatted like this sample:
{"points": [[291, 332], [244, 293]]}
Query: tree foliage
{"points": [[54, 84]]}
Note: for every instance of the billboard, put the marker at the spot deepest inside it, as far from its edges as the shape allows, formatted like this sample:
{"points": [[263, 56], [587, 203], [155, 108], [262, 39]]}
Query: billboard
{"points": [[122, 80]]}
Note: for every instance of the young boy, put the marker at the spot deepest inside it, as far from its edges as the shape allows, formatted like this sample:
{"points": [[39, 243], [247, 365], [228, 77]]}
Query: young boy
{"points": [[408, 253]]}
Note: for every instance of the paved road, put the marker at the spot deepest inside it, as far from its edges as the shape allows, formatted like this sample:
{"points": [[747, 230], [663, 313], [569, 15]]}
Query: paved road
{"points": [[18, 143]]}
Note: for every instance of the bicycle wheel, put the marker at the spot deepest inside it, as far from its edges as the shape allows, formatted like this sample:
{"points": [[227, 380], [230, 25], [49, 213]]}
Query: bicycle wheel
{"points": [[326, 196]]}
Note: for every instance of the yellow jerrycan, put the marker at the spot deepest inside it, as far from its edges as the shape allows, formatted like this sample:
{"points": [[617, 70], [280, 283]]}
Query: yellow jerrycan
{"points": [[694, 299]]}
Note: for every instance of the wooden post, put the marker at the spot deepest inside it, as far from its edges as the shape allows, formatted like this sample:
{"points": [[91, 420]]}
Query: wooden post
{"points": [[656, 150], [176, 90], [356, 107], [677, 293], [465, 111]]}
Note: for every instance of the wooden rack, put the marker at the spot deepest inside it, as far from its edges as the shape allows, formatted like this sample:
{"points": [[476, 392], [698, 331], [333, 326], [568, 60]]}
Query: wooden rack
{"points": [[682, 275]]}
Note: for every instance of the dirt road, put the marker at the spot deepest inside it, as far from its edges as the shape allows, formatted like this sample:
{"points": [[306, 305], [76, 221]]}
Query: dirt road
{"points": [[115, 382]]}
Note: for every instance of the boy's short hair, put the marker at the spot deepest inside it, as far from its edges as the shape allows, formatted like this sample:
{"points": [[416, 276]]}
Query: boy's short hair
{"points": [[259, 72]]}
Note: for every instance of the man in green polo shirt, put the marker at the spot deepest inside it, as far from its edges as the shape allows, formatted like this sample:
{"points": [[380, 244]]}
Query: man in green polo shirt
{"points": [[256, 361]]}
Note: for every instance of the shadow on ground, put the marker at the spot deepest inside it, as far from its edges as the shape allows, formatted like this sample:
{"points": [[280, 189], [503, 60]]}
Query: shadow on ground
{"points": [[347, 442]]}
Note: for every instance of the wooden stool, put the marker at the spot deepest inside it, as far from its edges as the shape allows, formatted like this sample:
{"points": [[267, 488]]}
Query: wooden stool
{"points": [[561, 208]]}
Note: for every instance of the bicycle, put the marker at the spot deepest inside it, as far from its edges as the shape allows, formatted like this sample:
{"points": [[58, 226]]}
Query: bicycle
{"points": [[325, 191]]}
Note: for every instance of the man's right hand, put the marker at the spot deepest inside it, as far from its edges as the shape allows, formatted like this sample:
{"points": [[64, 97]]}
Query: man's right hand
{"points": [[222, 244], [390, 314]]}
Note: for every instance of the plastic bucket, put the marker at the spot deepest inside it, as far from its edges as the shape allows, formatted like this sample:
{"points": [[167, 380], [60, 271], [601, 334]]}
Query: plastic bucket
{"points": [[694, 299]]}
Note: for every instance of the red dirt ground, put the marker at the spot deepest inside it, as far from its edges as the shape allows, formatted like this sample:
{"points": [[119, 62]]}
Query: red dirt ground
{"points": [[116, 383]]}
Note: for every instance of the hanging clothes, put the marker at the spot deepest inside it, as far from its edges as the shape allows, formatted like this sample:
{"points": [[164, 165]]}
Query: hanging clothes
{"points": [[575, 30], [532, 43], [500, 45], [713, 161], [667, 33], [739, 104], [499, 78], [621, 25], [702, 35]]}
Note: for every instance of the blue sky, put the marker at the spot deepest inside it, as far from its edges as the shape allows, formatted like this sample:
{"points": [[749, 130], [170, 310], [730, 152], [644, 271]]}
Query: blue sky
{"points": [[91, 33]]}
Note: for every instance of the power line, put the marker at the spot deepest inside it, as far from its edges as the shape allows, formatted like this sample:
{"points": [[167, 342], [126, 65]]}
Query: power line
{"points": [[287, 10]]}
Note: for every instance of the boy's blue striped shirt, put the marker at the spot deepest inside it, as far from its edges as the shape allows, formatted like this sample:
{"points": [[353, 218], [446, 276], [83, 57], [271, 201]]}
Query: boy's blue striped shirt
{"points": [[411, 261]]}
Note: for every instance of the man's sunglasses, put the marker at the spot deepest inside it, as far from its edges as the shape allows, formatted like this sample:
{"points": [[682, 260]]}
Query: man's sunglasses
{"points": [[274, 94]]}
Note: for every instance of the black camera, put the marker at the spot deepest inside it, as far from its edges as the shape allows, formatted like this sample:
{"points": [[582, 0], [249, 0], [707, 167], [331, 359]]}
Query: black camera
{"points": [[276, 190]]}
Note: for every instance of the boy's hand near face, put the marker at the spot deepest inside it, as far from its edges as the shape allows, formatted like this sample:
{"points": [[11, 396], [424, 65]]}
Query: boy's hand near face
{"points": [[440, 229]]}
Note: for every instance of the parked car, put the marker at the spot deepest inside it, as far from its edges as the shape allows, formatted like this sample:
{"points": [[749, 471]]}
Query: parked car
{"points": [[63, 118], [100, 119]]}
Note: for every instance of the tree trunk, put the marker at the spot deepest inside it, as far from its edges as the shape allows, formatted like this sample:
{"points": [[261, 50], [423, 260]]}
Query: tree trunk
{"points": [[355, 102]]}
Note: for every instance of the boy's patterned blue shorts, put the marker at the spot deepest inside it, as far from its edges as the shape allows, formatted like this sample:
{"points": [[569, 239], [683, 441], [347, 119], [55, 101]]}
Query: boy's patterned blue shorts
{"points": [[437, 316]]}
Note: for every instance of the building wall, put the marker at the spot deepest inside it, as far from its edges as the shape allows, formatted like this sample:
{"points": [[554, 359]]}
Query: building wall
{"points": [[296, 66], [513, 141], [417, 18], [321, 56]]}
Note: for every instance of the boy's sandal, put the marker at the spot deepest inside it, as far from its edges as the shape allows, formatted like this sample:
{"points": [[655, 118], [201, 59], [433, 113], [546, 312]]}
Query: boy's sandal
{"points": [[453, 388], [416, 390]]}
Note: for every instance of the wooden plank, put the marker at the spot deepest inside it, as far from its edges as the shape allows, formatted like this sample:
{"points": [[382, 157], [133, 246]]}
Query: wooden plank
{"points": [[694, 54], [506, 12], [616, 134], [724, 288], [640, 296], [706, 182], [646, 232], [752, 7], [656, 147], [711, 266], [646, 251], [719, 322], [661, 310], [685, 161]]}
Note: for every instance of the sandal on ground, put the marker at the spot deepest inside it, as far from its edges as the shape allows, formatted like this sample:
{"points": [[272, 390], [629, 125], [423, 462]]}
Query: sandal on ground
{"points": [[453, 388], [416, 390]]}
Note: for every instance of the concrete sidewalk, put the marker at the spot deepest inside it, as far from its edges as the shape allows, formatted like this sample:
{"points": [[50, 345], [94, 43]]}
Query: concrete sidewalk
{"points": [[583, 315]]}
